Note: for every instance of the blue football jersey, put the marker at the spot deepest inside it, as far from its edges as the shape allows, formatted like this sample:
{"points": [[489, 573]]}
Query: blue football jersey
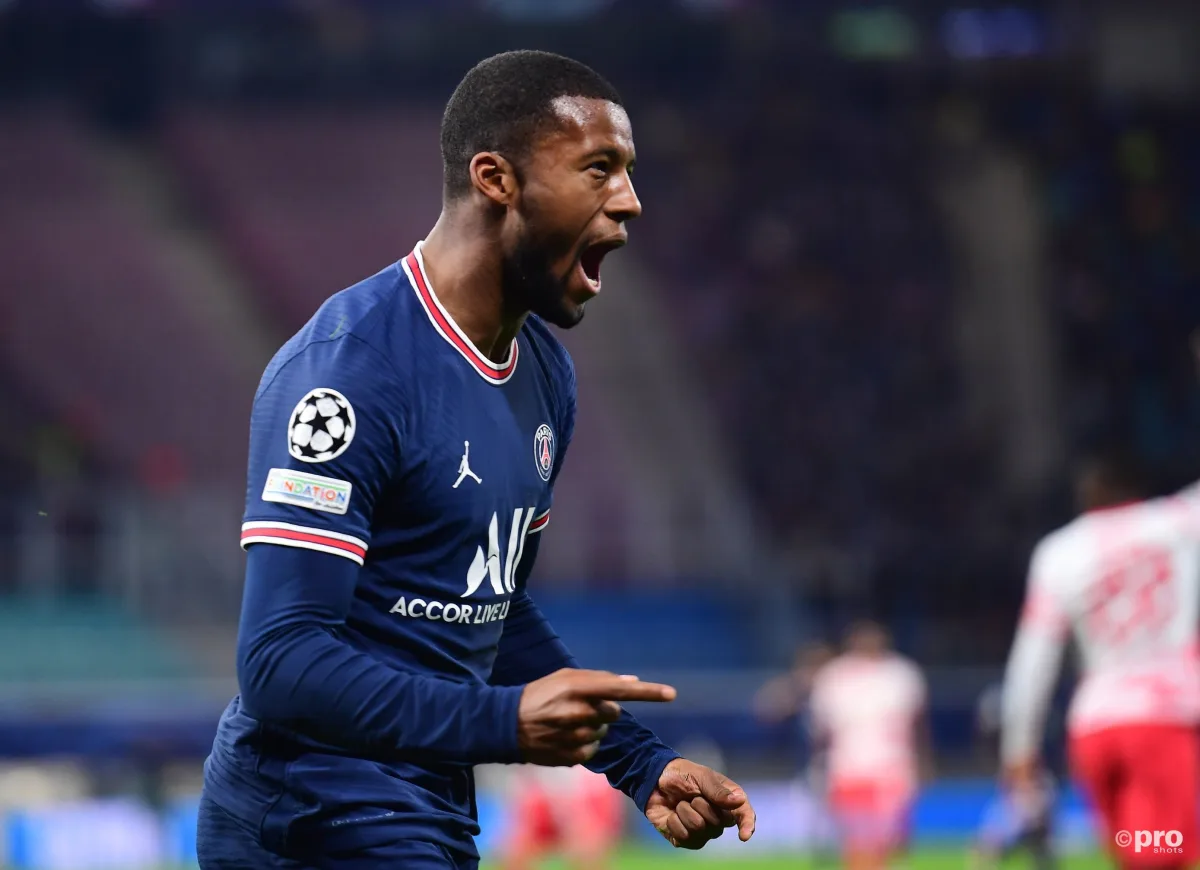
{"points": [[381, 435]]}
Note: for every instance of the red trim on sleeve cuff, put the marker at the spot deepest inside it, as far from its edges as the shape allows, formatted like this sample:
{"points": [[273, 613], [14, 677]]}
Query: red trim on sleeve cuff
{"points": [[289, 535]]}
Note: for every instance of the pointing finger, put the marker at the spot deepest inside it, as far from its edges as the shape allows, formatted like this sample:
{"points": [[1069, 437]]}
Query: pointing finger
{"points": [[613, 688]]}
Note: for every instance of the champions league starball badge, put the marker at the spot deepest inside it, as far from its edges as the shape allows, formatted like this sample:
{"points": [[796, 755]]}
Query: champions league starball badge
{"points": [[321, 426]]}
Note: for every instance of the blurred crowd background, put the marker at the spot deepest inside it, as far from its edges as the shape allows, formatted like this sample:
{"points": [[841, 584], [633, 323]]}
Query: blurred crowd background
{"points": [[900, 263]]}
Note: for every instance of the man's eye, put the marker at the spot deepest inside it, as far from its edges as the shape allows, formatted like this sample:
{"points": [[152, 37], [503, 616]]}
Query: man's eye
{"points": [[600, 167]]}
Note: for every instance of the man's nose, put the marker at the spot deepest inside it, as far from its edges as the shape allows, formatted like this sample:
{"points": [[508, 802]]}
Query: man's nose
{"points": [[624, 204]]}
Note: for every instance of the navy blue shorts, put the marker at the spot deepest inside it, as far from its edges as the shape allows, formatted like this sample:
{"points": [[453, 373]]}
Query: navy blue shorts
{"points": [[224, 843]]}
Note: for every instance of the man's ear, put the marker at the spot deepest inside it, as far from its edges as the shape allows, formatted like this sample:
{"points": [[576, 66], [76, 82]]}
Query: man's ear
{"points": [[494, 176]]}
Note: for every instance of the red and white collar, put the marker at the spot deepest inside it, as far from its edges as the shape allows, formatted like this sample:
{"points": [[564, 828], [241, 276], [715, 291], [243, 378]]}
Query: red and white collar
{"points": [[493, 373]]}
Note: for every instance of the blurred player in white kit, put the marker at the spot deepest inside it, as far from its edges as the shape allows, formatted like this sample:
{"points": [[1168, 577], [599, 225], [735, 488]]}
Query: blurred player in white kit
{"points": [[869, 705], [565, 811], [1124, 580]]}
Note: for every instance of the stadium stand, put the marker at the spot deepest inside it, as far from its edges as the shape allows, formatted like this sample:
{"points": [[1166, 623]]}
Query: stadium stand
{"points": [[67, 227], [308, 201], [1122, 188], [83, 640], [843, 290]]}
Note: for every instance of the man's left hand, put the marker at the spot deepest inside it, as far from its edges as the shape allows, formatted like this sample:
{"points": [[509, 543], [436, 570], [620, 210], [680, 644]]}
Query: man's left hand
{"points": [[694, 804]]}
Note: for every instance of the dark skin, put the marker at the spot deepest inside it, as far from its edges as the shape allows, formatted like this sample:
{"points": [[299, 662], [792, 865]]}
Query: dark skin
{"points": [[515, 242], [529, 236], [1094, 492]]}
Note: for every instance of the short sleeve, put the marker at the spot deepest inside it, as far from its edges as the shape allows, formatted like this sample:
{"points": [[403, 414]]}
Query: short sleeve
{"points": [[1043, 611], [818, 699], [1187, 501], [919, 688], [325, 440]]}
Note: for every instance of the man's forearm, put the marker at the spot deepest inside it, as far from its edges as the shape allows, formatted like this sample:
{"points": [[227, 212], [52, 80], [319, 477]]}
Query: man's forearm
{"points": [[1028, 685], [294, 670], [630, 755]]}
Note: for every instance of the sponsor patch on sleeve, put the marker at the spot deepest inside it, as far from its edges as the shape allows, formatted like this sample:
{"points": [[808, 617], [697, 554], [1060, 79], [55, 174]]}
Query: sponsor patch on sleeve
{"points": [[306, 490]]}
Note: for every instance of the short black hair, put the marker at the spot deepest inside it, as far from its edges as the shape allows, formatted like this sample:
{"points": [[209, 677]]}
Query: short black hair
{"points": [[1118, 468], [503, 103]]}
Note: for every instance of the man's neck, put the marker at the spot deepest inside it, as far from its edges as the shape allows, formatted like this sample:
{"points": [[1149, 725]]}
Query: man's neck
{"points": [[461, 256], [1112, 504]]}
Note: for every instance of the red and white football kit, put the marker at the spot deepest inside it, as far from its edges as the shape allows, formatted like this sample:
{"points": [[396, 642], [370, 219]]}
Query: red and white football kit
{"points": [[868, 708], [1125, 583]]}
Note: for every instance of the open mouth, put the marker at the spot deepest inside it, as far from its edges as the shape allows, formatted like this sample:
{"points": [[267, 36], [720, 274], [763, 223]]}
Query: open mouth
{"points": [[593, 256]]}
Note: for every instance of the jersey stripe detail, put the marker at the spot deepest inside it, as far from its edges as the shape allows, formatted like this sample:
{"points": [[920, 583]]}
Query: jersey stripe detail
{"points": [[493, 373], [1041, 611], [539, 523], [289, 535], [292, 527]]}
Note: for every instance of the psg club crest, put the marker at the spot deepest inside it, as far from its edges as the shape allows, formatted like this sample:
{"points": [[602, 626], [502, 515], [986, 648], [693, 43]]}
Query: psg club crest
{"points": [[322, 426], [543, 450]]}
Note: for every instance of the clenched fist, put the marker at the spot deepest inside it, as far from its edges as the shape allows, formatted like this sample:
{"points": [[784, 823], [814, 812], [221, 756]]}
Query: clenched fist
{"points": [[694, 804]]}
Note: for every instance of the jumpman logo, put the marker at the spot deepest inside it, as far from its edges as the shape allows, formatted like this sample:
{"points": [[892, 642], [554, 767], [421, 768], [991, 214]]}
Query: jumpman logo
{"points": [[464, 467]]}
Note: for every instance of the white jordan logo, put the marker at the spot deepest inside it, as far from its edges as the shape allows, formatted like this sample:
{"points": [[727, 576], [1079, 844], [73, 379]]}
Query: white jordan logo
{"points": [[464, 467]]}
